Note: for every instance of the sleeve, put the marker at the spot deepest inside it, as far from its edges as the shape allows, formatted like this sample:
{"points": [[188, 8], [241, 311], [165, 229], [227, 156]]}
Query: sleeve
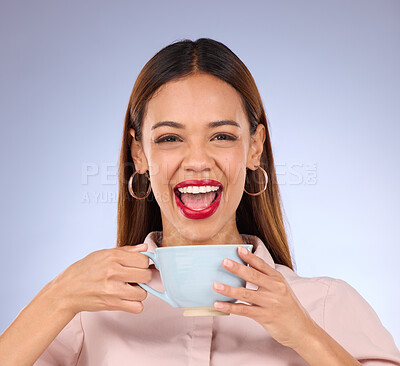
{"points": [[66, 347], [351, 321]]}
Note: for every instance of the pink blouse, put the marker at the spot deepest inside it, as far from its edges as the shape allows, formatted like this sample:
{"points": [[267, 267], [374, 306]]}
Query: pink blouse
{"points": [[160, 335]]}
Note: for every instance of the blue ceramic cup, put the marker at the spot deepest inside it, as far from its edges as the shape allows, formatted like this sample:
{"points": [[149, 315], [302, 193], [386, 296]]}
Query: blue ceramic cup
{"points": [[188, 273]]}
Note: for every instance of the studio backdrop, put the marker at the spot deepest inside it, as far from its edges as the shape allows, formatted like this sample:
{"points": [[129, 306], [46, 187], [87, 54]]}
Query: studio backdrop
{"points": [[328, 75]]}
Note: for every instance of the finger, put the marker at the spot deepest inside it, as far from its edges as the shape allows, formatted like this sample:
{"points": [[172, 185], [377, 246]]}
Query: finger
{"points": [[116, 295], [241, 293], [251, 311], [133, 275], [256, 262], [128, 306], [247, 273], [132, 292], [131, 257], [135, 248]]}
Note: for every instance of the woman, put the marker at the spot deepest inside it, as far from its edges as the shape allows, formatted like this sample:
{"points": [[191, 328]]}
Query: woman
{"points": [[195, 114]]}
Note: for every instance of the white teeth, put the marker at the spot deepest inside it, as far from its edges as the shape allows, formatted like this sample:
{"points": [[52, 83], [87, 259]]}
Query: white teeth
{"points": [[198, 189]]}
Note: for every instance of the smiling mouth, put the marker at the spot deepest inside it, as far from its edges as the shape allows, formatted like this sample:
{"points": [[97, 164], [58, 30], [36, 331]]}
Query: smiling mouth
{"points": [[198, 201]]}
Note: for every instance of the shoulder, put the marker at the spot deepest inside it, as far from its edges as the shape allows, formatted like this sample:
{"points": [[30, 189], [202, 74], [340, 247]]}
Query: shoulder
{"points": [[344, 304], [331, 288], [339, 299], [345, 315], [351, 320], [308, 287]]}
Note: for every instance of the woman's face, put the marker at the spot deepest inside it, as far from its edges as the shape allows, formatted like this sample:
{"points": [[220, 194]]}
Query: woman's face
{"points": [[192, 149]]}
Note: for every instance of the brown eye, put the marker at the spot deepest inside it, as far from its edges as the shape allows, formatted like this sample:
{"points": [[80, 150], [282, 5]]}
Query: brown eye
{"points": [[225, 137], [169, 138]]}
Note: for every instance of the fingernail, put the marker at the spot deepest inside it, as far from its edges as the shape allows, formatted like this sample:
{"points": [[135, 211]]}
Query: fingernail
{"points": [[218, 286], [219, 305], [228, 263], [243, 250]]}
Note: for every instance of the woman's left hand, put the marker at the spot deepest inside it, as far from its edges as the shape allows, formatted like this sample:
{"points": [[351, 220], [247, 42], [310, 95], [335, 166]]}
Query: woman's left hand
{"points": [[273, 304]]}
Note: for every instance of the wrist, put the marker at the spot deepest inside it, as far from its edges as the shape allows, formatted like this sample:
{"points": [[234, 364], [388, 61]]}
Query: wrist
{"points": [[35, 327], [313, 346], [55, 299], [319, 348]]}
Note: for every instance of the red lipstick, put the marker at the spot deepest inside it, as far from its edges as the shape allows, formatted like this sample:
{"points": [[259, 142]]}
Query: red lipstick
{"points": [[198, 214]]}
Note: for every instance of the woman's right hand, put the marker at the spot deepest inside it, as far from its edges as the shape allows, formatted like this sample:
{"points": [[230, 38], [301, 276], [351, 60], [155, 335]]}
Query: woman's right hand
{"points": [[101, 281]]}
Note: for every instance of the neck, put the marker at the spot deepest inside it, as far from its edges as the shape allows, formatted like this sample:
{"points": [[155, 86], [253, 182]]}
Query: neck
{"points": [[228, 235]]}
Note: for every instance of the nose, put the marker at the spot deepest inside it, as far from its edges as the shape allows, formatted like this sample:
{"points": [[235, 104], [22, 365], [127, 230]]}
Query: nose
{"points": [[197, 160]]}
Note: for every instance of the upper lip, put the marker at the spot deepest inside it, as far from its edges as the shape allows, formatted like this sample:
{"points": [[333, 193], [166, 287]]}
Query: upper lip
{"points": [[198, 182]]}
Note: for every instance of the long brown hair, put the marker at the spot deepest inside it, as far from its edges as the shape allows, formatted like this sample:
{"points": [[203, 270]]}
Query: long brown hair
{"points": [[256, 215]]}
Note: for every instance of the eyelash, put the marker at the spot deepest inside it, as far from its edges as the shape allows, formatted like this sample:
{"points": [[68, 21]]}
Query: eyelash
{"points": [[164, 138]]}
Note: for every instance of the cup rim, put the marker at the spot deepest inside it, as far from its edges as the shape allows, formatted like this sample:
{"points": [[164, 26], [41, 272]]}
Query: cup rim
{"points": [[208, 246]]}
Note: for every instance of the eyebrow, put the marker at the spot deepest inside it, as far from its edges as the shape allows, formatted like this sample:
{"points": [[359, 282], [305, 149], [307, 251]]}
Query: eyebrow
{"points": [[182, 126]]}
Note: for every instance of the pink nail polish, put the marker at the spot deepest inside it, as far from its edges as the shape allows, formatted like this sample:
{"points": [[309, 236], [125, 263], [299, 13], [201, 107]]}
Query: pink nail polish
{"points": [[228, 263]]}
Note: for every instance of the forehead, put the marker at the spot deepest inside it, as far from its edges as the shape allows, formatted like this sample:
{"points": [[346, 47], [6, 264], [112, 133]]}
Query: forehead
{"points": [[195, 99]]}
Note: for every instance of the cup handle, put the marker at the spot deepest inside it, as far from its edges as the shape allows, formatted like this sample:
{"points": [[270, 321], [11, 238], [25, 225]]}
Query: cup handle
{"points": [[161, 295]]}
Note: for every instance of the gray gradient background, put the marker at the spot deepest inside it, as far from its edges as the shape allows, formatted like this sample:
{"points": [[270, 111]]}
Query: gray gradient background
{"points": [[328, 74]]}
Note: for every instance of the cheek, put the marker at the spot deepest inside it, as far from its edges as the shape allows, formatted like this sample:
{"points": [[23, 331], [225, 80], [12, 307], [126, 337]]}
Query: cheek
{"points": [[234, 168], [162, 168]]}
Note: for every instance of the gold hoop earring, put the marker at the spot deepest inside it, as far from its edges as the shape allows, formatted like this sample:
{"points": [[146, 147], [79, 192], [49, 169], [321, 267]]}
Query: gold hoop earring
{"points": [[131, 190], [265, 186]]}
